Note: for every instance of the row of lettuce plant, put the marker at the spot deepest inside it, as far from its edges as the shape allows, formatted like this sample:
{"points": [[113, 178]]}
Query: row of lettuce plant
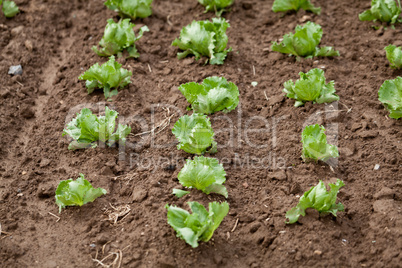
{"points": [[194, 133]]}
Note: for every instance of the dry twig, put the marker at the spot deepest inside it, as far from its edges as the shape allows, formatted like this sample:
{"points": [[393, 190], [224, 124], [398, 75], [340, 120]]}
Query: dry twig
{"points": [[118, 214]]}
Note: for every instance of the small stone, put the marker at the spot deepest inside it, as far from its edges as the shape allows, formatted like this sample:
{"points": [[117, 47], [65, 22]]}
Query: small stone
{"points": [[15, 70], [24, 172], [245, 185], [17, 31], [318, 252], [29, 45], [304, 18], [92, 245], [377, 167], [346, 151]]}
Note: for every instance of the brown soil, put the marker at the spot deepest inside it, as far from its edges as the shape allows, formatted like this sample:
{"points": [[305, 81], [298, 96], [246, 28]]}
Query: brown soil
{"points": [[52, 41]]}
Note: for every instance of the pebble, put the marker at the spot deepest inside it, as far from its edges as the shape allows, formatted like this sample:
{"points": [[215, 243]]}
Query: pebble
{"points": [[92, 245], [17, 30], [377, 167], [15, 70], [29, 45], [318, 252]]}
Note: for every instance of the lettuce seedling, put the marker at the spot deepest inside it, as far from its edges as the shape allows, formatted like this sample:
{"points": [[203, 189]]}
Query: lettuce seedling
{"points": [[131, 8], [204, 38], [10, 9], [394, 56], [383, 10], [76, 192], [311, 87], [213, 95], [86, 129], [205, 174], [390, 94], [119, 36], [319, 199], [315, 144], [198, 226], [195, 134], [304, 42], [107, 76], [287, 5], [216, 5]]}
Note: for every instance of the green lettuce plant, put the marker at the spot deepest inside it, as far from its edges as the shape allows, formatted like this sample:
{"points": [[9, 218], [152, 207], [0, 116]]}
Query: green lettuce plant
{"points": [[200, 225], [216, 5], [383, 10], [315, 144], [394, 56], [304, 43], [106, 76], [10, 9], [390, 94], [86, 129], [195, 134], [319, 199], [118, 37], [287, 5], [205, 174], [311, 87], [131, 8], [76, 192], [204, 38], [212, 95]]}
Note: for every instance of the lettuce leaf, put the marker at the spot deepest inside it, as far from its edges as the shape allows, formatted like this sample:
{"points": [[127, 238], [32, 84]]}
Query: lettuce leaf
{"points": [[390, 94], [195, 134], [213, 95], [107, 76], [179, 193], [204, 38], [382, 10], [205, 174], [304, 42], [394, 56], [317, 198], [311, 87], [86, 129], [10, 9], [76, 193], [131, 8], [315, 144], [216, 5], [287, 5], [119, 36], [198, 226]]}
